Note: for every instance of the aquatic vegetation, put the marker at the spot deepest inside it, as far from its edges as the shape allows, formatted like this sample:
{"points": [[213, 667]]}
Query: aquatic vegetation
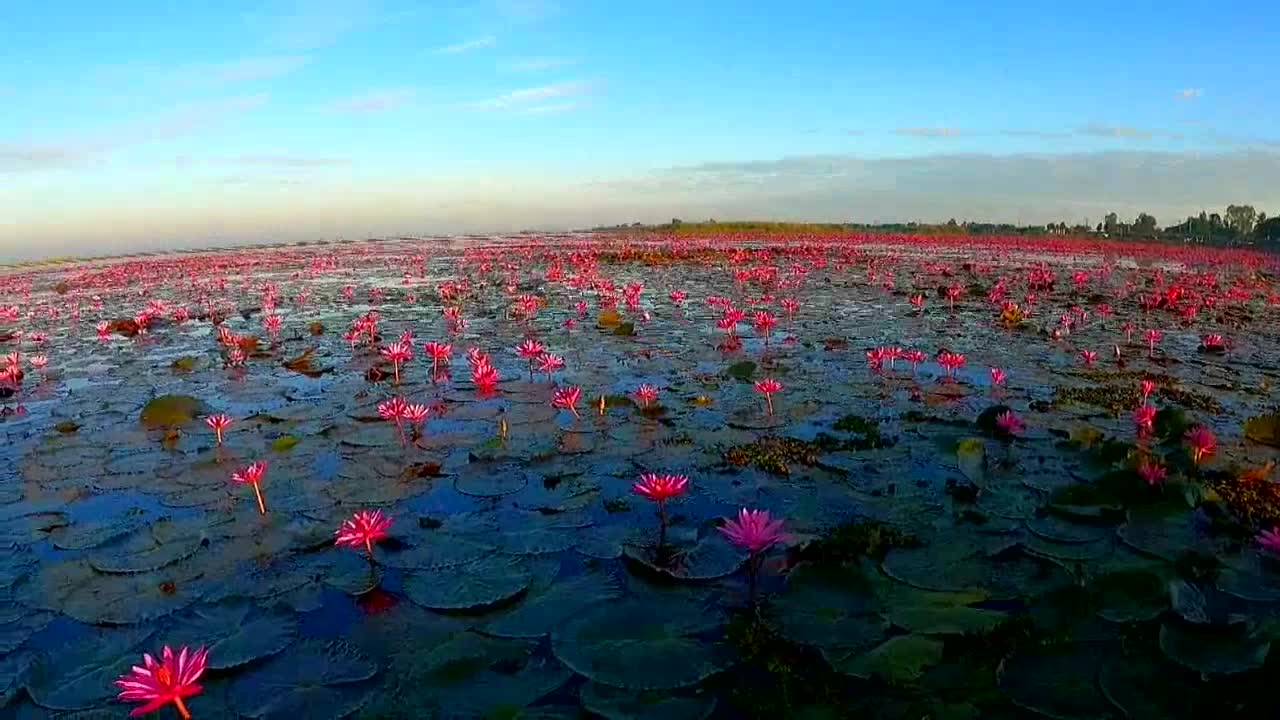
{"points": [[995, 509], [171, 679]]}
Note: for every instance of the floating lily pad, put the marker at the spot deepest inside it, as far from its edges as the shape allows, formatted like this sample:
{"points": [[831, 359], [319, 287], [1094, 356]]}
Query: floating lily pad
{"points": [[83, 536], [234, 634], [144, 555], [284, 443], [971, 455], [498, 482], [542, 611], [1214, 649], [79, 675], [314, 679], [830, 606], [436, 551], [79, 591], [712, 557], [475, 584], [1132, 595], [1264, 429], [640, 645], [167, 411], [898, 660], [619, 704], [1057, 681]]}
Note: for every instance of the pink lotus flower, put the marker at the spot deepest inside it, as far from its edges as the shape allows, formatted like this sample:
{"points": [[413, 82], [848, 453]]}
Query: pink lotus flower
{"points": [[272, 324], [661, 488], [38, 362], [765, 322], [997, 376], [1009, 423], [416, 413], [1145, 417], [915, 357], [950, 362], [236, 358], [104, 330], [218, 423], [252, 475], [549, 363], [677, 297], [440, 353], [1152, 473], [754, 531], [917, 301], [1152, 337], [170, 680], [1201, 441], [1269, 540], [1213, 341], [790, 306], [646, 394], [768, 387], [397, 352], [485, 376], [567, 399], [366, 527], [1146, 387], [1088, 357]]}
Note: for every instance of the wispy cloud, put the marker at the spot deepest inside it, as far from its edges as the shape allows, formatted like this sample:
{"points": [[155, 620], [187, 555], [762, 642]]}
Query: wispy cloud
{"points": [[929, 132], [527, 97], [308, 24], [553, 108], [374, 101], [235, 72], [1036, 134], [467, 46], [166, 125], [536, 64], [1124, 132], [1189, 93]]}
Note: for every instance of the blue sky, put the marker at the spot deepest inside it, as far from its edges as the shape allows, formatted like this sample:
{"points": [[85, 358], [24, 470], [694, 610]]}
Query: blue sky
{"points": [[143, 124]]}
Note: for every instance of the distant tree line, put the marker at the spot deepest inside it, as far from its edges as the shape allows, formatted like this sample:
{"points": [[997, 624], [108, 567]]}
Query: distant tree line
{"points": [[1236, 225]]}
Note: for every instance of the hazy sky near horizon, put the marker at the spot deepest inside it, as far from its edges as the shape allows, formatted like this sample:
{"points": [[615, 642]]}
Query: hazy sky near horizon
{"points": [[140, 125]]}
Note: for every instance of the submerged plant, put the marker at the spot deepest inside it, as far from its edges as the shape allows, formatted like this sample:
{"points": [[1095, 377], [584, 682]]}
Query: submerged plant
{"points": [[170, 680]]}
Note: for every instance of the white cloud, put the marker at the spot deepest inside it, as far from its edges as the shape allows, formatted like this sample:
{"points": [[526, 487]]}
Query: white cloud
{"points": [[536, 64], [1189, 93], [374, 101], [467, 46], [1125, 132], [524, 98], [244, 70], [929, 132]]}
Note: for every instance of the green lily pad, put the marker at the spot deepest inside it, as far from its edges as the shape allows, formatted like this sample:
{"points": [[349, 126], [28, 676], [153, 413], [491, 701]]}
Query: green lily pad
{"points": [[898, 660], [618, 704], [168, 411], [742, 370], [830, 606], [931, 613], [713, 557], [971, 456], [1132, 595], [80, 675], [1264, 429], [1057, 681], [284, 443], [1214, 649], [234, 634], [84, 536], [438, 550], [463, 587], [543, 610], [497, 483], [77, 590], [314, 679], [143, 554], [640, 645]]}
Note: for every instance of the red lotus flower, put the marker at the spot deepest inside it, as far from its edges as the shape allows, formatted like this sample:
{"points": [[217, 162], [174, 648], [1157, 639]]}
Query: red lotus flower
{"points": [[1009, 423], [397, 352], [366, 527], [1152, 337], [439, 352], [1145, 417], [567, 399], [677, 297], [646, 394], [104, 330], [1152, 473], [1269, 540], [950, 362], [170, 680], [768, 386], [765, 322], [754, 530], [218, 423], [416, 413], [1146, 387], [252, 475], [661, 488], [997, 376], [485, 376], [530, 350], [1089, 357], [1213, 341], [549, 363], [1201, 441], [393, 409]]}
